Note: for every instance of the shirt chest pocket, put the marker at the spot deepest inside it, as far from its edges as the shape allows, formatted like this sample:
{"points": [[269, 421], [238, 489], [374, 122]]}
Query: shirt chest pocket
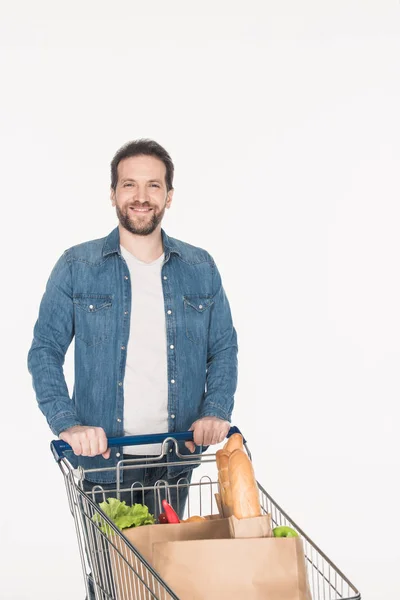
{"points": [[93, 313], [197, 309]]}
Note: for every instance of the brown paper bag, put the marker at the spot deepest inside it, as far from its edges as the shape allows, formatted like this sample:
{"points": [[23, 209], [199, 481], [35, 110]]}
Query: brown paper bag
{"points": [[124, 563], [213, 518], [241, 569], [143, 538], [254, 527]]}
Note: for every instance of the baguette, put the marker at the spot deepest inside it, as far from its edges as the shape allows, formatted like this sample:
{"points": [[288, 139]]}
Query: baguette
{"points": [[235, 442], [243, 486], [222, 458]]}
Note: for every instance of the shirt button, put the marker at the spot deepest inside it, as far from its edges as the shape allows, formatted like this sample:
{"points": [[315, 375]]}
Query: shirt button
{"points": [[169, 312], [126, 278], [171, 450], [118, 455], [200, 306], [172, 416], [165, 277], [122, 347], [119, 383], [91, 307], [172, 380], [126, 312], [119, 420], [172, 346]]}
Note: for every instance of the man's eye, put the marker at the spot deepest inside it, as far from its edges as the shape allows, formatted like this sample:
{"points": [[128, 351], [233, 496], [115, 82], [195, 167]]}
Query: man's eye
{"points": [[155, 185], [126, 184]]}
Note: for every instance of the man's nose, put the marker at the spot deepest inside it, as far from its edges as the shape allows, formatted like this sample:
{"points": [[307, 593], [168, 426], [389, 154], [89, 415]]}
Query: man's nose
{"points": [[141, 193]]}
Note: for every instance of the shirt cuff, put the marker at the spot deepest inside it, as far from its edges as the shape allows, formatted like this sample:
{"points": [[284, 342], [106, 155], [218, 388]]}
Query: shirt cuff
{"points": [[62, 422], [213, 410]]}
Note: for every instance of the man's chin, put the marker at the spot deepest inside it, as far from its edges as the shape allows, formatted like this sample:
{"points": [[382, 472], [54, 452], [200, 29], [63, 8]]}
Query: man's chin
{"points": [[138, 229], [140, 226]]}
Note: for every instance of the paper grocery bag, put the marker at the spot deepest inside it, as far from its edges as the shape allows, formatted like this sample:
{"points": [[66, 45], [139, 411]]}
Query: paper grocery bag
{"points": [[235, 569], [143, 538], [254, 527], [131, 578]]}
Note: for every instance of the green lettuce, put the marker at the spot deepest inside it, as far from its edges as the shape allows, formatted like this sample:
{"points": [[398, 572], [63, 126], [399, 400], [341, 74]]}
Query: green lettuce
{"points": [[123, 516]]}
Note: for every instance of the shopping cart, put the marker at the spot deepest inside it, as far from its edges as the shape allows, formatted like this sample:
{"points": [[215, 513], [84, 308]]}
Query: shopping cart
{"points": [[115, 570]]}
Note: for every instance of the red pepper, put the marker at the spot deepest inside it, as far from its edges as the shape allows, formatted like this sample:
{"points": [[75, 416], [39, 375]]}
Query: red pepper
{"points": [[172, 517]]}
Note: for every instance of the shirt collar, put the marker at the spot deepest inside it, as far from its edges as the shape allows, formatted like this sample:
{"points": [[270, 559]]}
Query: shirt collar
{"points": [[112, 244]]}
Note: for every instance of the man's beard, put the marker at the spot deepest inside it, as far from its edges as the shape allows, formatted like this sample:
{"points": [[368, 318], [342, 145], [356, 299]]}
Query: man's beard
{"points": [[141, 227]]}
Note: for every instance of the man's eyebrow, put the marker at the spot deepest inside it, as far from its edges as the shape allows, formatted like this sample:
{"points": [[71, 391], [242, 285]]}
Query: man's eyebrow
{"points": [[150, 180]]}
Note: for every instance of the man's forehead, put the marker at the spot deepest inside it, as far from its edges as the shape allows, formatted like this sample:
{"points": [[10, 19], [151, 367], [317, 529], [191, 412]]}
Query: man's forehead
{"points": [[141, 166]]}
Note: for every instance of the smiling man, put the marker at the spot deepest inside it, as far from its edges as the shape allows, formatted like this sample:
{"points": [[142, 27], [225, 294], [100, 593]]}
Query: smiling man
{"points": [[155, 346]]}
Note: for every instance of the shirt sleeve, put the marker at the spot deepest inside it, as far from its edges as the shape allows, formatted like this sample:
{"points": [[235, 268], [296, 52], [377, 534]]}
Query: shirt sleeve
{"points": [[53, 333], [222, 364]]}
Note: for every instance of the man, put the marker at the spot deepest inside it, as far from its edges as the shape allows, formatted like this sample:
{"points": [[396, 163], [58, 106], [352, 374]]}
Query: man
{"points": [[155, 347]]}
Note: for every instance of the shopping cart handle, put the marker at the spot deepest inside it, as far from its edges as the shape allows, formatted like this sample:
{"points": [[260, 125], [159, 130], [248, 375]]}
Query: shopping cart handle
{"points": [[58, 447], [233, 430]]}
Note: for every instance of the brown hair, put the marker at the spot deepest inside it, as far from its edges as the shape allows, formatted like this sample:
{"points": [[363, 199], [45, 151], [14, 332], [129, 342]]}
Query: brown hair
{"points": [[143, 147]]}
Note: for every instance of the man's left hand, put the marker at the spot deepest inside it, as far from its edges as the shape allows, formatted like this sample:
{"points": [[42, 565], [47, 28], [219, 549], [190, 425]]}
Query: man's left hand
{"points": [[207, 432]]}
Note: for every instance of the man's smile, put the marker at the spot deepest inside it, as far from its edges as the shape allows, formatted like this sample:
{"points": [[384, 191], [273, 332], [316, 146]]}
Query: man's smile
{"points": [[140, 210]]}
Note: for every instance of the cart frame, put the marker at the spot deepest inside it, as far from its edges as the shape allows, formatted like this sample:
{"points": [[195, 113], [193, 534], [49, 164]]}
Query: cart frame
{"points": [[114, 569]]}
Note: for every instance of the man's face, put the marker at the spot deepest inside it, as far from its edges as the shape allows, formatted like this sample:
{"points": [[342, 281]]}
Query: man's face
{"points": [[141, 195]]}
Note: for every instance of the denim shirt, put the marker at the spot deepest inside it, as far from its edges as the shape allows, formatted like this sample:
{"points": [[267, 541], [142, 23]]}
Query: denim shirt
{"points": [[88, 296]]}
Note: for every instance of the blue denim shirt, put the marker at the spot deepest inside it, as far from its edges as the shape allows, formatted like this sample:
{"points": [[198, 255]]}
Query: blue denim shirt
{"points": [[88, 295]]}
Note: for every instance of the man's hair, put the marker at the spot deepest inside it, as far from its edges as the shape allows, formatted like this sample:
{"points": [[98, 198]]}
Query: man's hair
{"points": [[139, 148]]}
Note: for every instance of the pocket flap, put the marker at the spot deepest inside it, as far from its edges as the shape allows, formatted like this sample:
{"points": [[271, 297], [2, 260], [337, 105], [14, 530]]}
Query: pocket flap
{"points": [[92, 302], [199, 303]]}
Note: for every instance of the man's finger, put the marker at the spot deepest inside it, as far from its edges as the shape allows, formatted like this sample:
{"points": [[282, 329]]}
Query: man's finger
{"points": [[221, 437], [198, 434], [85, 446], [224, 432], [76, 446], [190, 446], [93, 441], [210, 439], [215, 438], [208, 434], [107, 453], [102, 440], [215, 435], [94, 447]]}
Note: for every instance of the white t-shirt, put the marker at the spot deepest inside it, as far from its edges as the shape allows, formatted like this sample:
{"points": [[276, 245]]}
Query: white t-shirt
{"points": [[146, 375]]}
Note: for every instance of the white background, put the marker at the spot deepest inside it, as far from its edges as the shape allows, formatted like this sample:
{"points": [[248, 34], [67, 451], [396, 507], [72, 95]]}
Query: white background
{"points": [[282, 119]]}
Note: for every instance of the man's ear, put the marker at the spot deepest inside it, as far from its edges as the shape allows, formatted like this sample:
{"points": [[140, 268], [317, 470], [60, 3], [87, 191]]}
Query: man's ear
{"points": [[169, 198], [112, 197]]}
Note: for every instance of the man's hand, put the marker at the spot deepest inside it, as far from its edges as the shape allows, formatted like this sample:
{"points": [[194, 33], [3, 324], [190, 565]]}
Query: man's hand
{"points": [[207, 432], [86, 441]]}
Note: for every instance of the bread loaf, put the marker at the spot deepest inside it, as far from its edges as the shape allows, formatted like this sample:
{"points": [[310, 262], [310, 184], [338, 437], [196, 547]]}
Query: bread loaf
{"points": [[235, 442], [193, 519], [222, 458], [243, 486]]}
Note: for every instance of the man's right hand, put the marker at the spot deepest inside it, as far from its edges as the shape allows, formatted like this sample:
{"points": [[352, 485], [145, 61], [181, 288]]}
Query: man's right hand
{"points": [[86, 441]]}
